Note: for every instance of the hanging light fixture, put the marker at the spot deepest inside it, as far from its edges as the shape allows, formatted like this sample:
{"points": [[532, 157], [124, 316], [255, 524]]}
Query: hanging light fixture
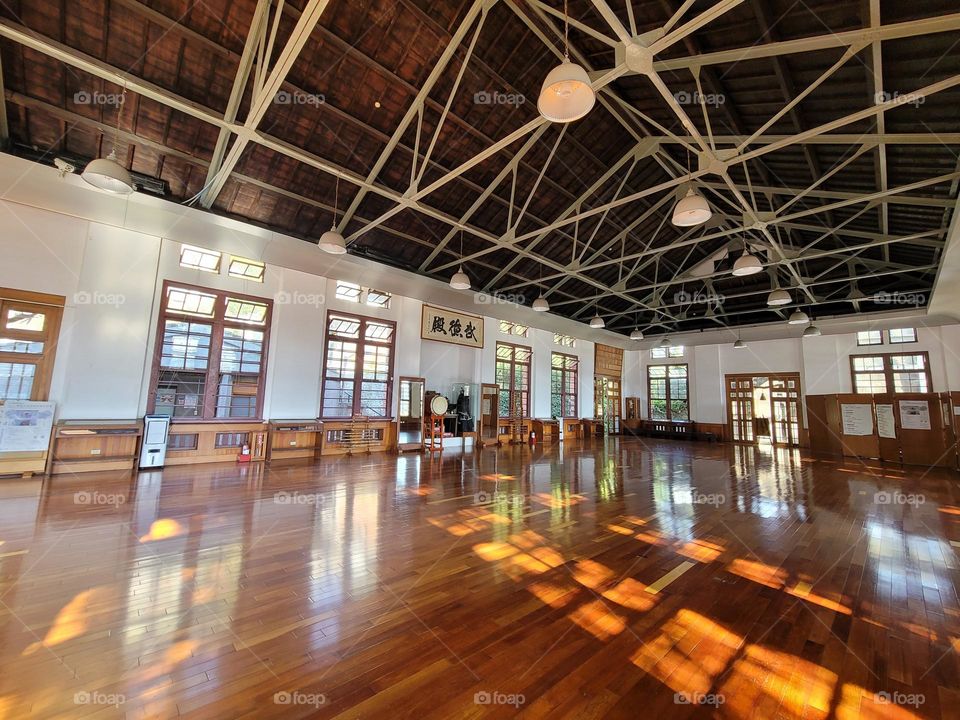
{"points": [[566, 94], [596, 322], [798, 317], [779, 297], [691, 210], [812, 331], [541, 304], [460, 281], [108, 174], [746, 264], [636, 334], [666, 342], [739, 344], [332, 241]]}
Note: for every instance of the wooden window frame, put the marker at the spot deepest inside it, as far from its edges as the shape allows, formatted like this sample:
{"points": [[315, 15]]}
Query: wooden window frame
{"points": [[218, 322], [668, 399], [511, 328], [52, 308], [888, 371], [361, 341], [891, 341], [869, 344], [513, 363], [564, 373]]}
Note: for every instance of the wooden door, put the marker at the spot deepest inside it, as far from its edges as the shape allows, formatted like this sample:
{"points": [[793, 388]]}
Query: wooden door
{"points": [[785, 406], [489, 415], [740, 408]]}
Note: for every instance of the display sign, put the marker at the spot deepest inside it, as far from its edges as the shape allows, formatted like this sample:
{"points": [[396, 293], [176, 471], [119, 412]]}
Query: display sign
{"points": [[914, 414], [451, 326], [886, 425], [25, 425], [857, 418]]}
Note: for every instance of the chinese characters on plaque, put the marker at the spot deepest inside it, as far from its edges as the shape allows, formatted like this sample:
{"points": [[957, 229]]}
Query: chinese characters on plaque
{"points": [[451, 326]]}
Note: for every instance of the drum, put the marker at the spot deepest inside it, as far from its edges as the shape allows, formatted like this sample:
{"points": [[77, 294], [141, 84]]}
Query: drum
{"points": [[437, 404]]}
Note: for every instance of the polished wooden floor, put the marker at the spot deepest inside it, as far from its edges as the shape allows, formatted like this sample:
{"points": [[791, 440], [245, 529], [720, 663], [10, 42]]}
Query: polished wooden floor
{"points": [[618, 579]]}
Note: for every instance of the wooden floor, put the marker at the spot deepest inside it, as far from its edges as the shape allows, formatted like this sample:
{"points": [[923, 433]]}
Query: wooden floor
{"points": [[625, 579]]}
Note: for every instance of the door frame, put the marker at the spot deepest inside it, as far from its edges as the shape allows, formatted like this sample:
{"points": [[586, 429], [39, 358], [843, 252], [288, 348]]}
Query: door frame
{"points": [[771, 376]]}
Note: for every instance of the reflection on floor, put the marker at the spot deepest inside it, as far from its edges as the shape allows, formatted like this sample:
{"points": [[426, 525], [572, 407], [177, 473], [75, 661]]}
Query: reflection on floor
{"points": [[614, 579]]}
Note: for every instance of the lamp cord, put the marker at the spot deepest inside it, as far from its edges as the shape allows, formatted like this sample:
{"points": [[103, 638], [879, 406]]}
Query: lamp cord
{"points": [[566, 32]]}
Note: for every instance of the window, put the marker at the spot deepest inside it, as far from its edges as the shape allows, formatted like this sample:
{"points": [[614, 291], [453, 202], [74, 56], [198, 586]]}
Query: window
{"points": [[246, 269], [902, 335], [199, 259], [513, 377], [564, 340], [563, 385], [891, 373], [231, 440], [870, 337], [510, 328], [183, 441], [351, 292], [662, 353], [211, 354], [358, 366], [668, 392], [28, 343]]}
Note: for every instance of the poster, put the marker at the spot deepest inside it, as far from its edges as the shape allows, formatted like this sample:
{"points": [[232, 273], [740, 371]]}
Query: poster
{"points": [[857, 418], [25, 426], [914, 415], [451, 326], [886, 427]]}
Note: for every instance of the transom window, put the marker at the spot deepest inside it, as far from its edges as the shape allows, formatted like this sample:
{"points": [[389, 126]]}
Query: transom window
{"points": [[668, 392], [512, 328], [358, 366], [870, 337], [245, 269], [563, 385], [28, 343], [352, 292], [564, 340], [211, 355], [197, 258], [902, 335], [902, 373], [513, 377], [662, 353]]}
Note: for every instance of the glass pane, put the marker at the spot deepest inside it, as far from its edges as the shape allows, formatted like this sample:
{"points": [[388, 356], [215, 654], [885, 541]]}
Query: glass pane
{"points": [[373, 399], [907, 362], [344, 327], [28, 347], [186, 346], [348, 291], [180, 393], [341, 359], [190, 302], [237, 395], [910, 382], [25, 320], [338, 398], [16, 380], [246, 311]]}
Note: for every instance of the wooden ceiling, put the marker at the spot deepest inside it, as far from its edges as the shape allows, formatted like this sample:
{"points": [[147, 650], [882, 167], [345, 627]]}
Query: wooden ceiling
{"points": [[801, 121]]}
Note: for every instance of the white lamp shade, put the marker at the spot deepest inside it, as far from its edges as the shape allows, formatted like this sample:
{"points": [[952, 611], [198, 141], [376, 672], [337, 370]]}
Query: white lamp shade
{"points": [[460, 281], [597, 322], [636, 335], [812, 331], [665, 343], [739, 345], [798, 317], [541, 304], [747, 264], [779, 297], [566, 94], [691, 210], [107, 174], [332, 242]]}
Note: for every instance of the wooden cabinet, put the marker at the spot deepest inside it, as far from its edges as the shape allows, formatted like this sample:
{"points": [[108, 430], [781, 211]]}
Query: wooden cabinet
{"points": [[347, 437], [547, 430], [192, 443], [571, 429], [292, 439], [91, 445]]}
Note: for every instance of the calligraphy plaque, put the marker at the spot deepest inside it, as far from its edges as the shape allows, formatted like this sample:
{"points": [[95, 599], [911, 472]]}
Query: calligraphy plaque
{"points": [[451, 326]]}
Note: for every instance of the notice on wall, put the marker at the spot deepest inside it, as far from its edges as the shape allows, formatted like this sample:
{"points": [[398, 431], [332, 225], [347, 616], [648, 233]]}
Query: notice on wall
{"points": [[857, 418], [25, 425], [450, 326], [886, 425], [914, 414]]}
